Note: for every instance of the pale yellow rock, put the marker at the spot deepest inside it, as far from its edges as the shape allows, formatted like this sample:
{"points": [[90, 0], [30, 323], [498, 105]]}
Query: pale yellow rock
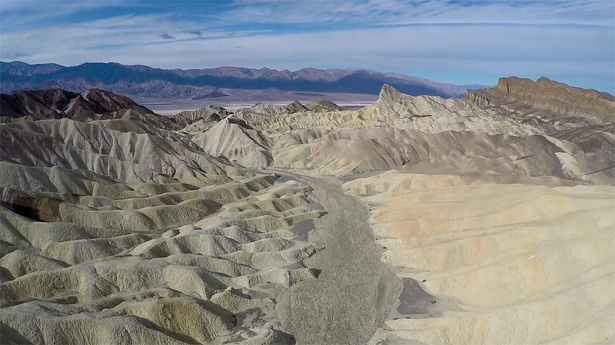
{"points": [[527, 264]]}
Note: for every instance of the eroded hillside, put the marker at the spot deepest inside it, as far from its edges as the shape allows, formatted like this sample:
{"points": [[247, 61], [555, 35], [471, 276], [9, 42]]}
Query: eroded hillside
{"points": [[118, 225]]}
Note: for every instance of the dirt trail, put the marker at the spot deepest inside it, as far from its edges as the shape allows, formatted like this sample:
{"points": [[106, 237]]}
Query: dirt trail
{"points": [[355, 291]]}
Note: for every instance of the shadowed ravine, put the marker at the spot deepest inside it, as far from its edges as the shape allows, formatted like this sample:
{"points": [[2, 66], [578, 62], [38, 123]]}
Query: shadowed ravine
{"points": [[355, 290]]}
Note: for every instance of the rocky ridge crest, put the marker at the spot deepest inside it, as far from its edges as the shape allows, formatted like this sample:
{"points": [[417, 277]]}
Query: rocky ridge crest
{"points": [[548, 96]]}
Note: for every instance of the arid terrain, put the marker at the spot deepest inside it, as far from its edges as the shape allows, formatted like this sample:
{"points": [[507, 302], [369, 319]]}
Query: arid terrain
{"points": [[486, 219]]}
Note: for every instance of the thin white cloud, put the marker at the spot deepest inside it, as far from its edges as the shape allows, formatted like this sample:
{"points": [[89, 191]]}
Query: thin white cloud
{"points": [[565, 39], [30, 13], [121, 30], [394, 12], [13, 55], [533, 51], [166, 36]]}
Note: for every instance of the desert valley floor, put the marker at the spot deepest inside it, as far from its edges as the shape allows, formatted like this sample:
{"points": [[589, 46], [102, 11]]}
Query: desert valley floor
{"points": [[413, 220]]}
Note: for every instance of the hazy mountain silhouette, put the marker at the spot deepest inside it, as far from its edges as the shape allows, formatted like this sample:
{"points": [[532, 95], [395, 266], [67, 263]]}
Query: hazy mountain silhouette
{"points": [[155, 82]]}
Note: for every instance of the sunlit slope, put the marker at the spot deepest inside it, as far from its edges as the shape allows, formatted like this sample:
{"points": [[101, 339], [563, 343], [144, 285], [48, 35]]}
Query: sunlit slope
{"points": [[517, 263], [402, 131]]}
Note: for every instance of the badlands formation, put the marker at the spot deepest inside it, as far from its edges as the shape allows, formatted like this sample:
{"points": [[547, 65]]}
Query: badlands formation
{"points": [[415, 220]]}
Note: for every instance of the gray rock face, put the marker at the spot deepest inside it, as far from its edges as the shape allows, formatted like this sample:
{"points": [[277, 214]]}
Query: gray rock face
{"points": [[322, 106], [207, 113]]}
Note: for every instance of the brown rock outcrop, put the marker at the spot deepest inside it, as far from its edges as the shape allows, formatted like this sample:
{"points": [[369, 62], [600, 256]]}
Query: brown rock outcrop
{"points": [[94, 104], [50, 104], [550, 97]]}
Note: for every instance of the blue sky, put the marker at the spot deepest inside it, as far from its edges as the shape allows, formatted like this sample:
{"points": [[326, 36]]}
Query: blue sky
{"points": [[461, 42]]}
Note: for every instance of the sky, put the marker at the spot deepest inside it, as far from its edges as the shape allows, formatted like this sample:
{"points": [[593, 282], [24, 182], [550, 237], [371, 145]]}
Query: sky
{"points": [[459, 42]]}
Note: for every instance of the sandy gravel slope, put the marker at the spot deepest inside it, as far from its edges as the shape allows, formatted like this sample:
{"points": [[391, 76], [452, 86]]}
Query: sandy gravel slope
{"points": [[490, 263], [354, 291]]}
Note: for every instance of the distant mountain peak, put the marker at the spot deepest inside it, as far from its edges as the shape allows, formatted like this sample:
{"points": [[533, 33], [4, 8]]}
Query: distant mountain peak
{"points": [[323, 105], [144, 81], [389, 93]]}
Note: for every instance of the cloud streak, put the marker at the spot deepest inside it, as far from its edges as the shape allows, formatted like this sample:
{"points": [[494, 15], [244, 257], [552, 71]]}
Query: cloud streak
{"points": [[167, 37], [459, 42], [396, 12]]}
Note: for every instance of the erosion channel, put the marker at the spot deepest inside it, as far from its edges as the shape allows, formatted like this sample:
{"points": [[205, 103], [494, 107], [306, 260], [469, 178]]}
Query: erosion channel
{"points": [[355, 290]]}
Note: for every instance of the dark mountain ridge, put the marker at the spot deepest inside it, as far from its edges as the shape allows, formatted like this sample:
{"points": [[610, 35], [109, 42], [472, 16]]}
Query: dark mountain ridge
{"points": [[93, 104], [146, 81]]}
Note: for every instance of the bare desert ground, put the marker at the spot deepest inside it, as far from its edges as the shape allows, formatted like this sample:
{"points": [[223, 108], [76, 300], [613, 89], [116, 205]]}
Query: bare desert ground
{"points": [[412, 220], [518, 262]]}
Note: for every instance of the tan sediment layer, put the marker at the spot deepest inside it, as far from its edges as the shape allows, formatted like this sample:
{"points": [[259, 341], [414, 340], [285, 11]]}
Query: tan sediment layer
{"points": [[515, 263]]}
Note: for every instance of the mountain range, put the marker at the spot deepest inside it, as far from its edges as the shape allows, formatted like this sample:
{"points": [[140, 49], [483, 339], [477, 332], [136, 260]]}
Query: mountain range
{"points": [[143, 81]]}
